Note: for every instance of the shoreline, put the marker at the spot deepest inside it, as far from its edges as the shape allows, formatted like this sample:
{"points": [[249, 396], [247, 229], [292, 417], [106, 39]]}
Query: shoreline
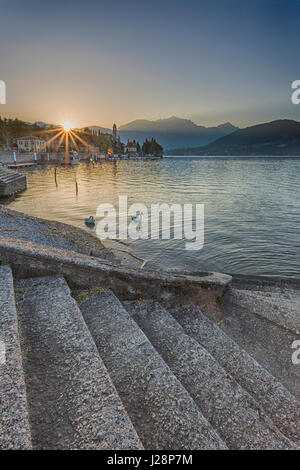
{"points": [[58, 234]]}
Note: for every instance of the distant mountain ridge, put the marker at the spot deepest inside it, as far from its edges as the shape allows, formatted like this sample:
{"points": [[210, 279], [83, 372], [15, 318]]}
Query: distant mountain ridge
{"points": [[173, 132], [169, 132], [280, 137], [173, 124]]}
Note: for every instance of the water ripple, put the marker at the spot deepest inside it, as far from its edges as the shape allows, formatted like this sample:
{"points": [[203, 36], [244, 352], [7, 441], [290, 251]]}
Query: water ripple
{"points": [[252, 207]]}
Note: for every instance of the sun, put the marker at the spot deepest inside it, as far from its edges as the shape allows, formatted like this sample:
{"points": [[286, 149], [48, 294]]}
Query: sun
{"points": [[66, 126], [66, 135]]}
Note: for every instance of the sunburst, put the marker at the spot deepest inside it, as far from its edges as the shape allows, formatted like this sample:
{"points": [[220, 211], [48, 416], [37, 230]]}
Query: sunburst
{"points": [[63, 135]]}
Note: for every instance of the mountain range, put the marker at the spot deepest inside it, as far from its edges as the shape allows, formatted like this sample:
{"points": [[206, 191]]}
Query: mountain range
{"points": [[280, 137], [173, 132], [184, 137]]}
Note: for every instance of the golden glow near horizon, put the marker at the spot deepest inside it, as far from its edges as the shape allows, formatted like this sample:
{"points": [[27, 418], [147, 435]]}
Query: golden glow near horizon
{"points": [[67, 126], [66, 134]]}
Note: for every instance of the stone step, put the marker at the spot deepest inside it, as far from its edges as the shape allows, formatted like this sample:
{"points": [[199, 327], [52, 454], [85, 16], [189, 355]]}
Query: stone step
{"points": [[265, 285], [72, 401], [234, 414], [281, 406], [5, 181], [266, 341], [11, 177], [284, 312], [5, 174], [14, 421], [162, 411], [9, 174]]}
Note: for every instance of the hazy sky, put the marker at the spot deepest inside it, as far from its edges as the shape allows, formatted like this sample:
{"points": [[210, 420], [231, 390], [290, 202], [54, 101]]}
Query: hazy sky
{"points": [[95, 62]]}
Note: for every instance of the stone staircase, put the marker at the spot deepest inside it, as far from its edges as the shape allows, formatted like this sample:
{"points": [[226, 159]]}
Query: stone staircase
{"points": [[84, 370], [11, 182], [266, 323]]}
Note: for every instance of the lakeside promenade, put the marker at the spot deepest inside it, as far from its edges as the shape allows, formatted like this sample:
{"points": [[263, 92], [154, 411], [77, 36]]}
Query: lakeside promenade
{"points": [[20, 159]]}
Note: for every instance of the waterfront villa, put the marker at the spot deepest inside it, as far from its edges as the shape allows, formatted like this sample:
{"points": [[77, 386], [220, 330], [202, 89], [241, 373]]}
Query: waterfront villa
{"points": [[30, 143], [96, 130], [131, 147]]}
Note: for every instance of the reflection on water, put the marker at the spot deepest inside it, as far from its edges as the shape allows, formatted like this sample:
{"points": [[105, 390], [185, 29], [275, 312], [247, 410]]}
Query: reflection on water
{"points": [[252, 207]]}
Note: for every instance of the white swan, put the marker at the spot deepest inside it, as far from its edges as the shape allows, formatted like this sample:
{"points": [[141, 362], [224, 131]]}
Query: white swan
{"points": [[90, 220], [136, 218]]}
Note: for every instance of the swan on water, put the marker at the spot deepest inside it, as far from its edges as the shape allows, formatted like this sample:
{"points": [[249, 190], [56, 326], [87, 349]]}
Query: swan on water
{"points": [[137, 218], [90, 220]]}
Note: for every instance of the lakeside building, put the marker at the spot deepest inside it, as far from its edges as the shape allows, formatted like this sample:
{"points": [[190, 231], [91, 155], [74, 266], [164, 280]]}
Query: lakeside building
{"points": [[111, 142], [30, 144], [96, 130], [131, 147]]}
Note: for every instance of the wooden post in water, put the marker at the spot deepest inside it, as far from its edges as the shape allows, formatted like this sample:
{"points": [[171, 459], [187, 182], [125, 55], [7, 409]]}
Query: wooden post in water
{"points": [[76, 186], [55, 177]]}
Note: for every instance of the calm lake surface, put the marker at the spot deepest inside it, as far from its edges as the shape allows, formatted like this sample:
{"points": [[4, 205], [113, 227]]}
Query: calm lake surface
{"points": [[252, 207]]}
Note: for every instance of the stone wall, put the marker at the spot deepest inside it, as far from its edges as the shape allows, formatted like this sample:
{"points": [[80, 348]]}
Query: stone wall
{"points": [[30, 259], [11, 183]]}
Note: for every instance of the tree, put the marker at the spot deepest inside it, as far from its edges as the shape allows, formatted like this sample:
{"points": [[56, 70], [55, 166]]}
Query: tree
{"points": [[151, 147]]}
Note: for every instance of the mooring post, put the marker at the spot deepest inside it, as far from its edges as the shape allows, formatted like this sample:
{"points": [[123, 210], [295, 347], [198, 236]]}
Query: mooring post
{"points": [[55, 176], [15, 157]]}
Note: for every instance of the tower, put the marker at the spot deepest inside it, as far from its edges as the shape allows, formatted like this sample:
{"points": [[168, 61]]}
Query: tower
{"points": [[114, 133]]}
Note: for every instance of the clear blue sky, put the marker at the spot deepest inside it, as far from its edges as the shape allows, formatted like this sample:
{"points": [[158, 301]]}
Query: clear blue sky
{"points": [[94, 62]]}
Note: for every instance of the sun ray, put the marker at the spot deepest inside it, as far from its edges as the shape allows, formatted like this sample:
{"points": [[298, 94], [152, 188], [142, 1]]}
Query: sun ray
{"points": [[51, 140], [48, 131], [70, 136], [90, 147], [60, 142], [56, 150], [67, 156], [74, 142]]}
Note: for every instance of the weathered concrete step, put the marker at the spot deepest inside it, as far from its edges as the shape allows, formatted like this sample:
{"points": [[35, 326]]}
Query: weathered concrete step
{"points": [[14, 421], [8, 174], [267, 342], [163, 413], [5, 183], [9, 186], [282, 311], [10, 177], [281, 406], [72, 401], [236, 416], [127, 282]]}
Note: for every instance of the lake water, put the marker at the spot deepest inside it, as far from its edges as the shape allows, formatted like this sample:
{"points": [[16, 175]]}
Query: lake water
{"points": [[252, 207]]}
